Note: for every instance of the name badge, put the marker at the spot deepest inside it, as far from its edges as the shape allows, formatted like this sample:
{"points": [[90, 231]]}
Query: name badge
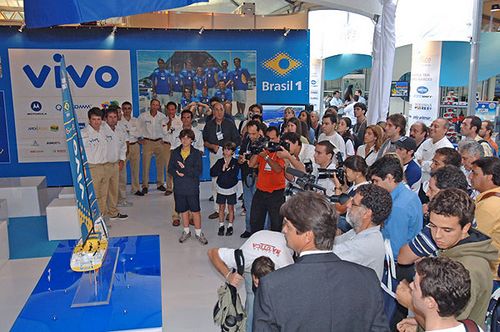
{"points": [[220, 135]]}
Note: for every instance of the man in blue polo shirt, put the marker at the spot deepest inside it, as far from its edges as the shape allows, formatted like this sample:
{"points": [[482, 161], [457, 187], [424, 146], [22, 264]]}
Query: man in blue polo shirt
{"points": [[225, 75], [405, 149], [199, 81], [188, 102], [241, 76], [188, 75], [160, 79], [211, 76], [405, 220], [226, 97], [176, 81]]}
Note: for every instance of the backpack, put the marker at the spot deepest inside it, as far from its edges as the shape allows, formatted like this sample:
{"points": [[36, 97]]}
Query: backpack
{"points": [[470, 325], [493, 313], [229, 313]]}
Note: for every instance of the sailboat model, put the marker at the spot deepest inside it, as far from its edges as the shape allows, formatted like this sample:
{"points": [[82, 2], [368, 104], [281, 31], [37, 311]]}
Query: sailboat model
{"points": [[91, 249]]}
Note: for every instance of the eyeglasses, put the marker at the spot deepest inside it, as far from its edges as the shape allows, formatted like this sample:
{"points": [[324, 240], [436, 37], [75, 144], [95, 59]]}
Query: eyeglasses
{"points": [[354, 204]]}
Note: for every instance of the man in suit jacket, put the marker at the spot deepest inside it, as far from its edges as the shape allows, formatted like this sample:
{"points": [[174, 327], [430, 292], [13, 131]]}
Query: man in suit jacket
{"points": [[320, 292]]}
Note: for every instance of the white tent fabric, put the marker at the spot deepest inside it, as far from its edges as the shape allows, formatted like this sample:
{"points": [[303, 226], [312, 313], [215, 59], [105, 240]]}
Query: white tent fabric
{"points": [[384, 46]]}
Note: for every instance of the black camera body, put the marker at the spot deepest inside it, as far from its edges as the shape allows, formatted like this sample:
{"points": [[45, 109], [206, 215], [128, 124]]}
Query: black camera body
{"points": [[263, 143], [339, 171]]}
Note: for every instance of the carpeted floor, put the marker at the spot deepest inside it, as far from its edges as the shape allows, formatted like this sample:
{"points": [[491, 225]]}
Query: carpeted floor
{"points": [[28, 238]]}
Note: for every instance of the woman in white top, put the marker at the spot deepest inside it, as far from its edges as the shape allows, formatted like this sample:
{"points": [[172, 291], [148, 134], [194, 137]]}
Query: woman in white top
{"points": [[373, 139], [344, 129]]}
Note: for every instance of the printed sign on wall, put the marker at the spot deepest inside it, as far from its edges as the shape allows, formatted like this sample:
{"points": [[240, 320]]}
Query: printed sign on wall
{"points": [[97, 78], [424, 85]]}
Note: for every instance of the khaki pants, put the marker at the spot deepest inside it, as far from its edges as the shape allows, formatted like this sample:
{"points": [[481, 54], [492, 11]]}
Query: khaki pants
{"points": [[98, 173], [149, 149], [213, 159], [166, 160], [113, 173], [134, 158], [122, 184]]}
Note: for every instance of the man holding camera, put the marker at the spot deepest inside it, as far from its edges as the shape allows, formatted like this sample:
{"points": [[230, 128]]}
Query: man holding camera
{"points": [[298, 153], [270, 186], [323, 160]]}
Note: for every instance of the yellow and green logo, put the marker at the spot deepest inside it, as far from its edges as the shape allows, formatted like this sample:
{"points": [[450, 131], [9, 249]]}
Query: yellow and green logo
{"points": [[281, 64]]}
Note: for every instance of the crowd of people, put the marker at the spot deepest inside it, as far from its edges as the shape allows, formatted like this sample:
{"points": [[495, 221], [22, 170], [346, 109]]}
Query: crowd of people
{"points": [[414, 200]]}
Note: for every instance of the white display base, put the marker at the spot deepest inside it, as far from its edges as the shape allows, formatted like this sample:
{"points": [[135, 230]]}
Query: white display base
{"points": [[62, 220], [26, 196], [4, 243], [67, 192]]}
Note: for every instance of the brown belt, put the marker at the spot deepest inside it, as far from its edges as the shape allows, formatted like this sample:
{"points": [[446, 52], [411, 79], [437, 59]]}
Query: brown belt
{"points": [[132, 143], [152, 140]]}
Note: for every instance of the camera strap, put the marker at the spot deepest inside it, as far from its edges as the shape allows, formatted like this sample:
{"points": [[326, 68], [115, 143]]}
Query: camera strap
{"points": [[240, 261]]}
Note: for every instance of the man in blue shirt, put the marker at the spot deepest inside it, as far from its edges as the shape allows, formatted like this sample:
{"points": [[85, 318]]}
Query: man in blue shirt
{"points": [[405, 220], [405, 149], [203, 102], [188, 75], [176, 81], [211, 76], [160, 79], [225, 75], [188, 103], [199, 81], [241, 76]]}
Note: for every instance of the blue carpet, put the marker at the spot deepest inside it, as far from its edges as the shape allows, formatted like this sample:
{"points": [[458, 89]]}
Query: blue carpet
{"points": [[28, 238]]}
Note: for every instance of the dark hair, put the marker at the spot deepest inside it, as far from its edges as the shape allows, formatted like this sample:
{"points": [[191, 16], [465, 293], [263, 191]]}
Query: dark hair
{"points": [[311, 211], [357, 164], [399, 121], [187, 133], [450, 176], [332, 117], [111, 109], [127, 103], [329, 147], [186, 112], [489, 126], [388, 164], [259, 106], [308, 118], [489, 166], [362, 106], [262, 266], [297, 124], [347, 135], [236, 58], [95, 111], [152, 100], [171, 103], [253, 123], [273, 128], [453, 203], [447, 282], [160, 59], [451, 156], [214, 99], [475, 122], [332, 110], [230, 146], [359, 90], [378, 200], [292, 137], [257, 117]]}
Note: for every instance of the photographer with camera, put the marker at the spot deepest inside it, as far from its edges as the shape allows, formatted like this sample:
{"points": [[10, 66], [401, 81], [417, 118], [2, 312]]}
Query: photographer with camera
{"points": [[270, 185], [324, 160], [297, 155], [248, 174]]}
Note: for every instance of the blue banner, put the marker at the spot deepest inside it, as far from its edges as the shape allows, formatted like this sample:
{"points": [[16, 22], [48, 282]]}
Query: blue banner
{"points": [[41, 14], [87, 208], [4, 140]]}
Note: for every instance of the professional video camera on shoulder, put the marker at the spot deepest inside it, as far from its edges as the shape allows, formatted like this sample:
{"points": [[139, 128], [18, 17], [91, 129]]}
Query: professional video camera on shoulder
{"points": [[264, 143], [304, 182], [339, 171]]}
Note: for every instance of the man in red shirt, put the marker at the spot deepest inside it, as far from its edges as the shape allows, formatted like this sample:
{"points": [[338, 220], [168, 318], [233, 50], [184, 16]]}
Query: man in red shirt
{"points": [[270, 186]]}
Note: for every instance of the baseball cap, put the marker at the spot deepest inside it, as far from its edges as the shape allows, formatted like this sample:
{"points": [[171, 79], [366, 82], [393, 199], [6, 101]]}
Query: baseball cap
{"points": [[406, 143]]}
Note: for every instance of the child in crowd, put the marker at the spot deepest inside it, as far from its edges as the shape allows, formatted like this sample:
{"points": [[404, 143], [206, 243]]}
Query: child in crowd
{"points": [[226, 170], [261, 267], [185, 166]]}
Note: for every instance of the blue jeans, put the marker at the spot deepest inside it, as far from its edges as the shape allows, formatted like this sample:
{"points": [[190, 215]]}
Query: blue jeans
{"points": [[247, 199], [249, 300]]}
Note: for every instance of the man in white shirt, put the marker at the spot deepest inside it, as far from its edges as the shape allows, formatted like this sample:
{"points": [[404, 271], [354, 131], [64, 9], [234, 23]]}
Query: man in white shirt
{"points": [[152, 123], [440, 291], [336, 100], [364, 244], [395, 127], [331, 135], [324, 159], [116, 156], [173, 124], [359, 93], [94, 142], [299, 153], [133, 130], [427, 149], [262, 243]]}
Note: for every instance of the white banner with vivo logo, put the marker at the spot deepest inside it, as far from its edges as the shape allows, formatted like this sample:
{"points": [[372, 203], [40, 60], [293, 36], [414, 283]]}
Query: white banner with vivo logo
{"points": [[424, 85], [97, 77]]}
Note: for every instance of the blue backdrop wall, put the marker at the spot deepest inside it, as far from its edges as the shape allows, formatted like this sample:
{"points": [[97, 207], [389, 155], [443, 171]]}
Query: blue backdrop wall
{"points": [[281, 72]]}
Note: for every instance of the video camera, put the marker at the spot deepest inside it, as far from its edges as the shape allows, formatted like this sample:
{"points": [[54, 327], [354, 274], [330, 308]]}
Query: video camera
{"points": [[263, 143], [339, 171], [304, 182]]}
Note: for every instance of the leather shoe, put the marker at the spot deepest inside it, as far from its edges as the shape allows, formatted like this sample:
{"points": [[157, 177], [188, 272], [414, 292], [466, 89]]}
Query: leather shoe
{"points": [[139, 193], [168, 193], [161, 188], [245, 235], [214, 215], [145, 190]]}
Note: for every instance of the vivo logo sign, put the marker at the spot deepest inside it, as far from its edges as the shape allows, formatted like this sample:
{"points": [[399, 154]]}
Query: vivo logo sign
{"points": [[422, 90], [105, 76]]}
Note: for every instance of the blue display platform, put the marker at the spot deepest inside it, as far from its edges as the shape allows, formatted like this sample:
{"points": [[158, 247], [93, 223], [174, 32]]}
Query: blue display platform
{"points": [[135, 301]]}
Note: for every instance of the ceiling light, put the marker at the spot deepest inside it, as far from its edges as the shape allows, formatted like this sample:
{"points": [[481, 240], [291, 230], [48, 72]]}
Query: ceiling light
{"points": [[287, 31], [22, 27], [201, 30]]}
